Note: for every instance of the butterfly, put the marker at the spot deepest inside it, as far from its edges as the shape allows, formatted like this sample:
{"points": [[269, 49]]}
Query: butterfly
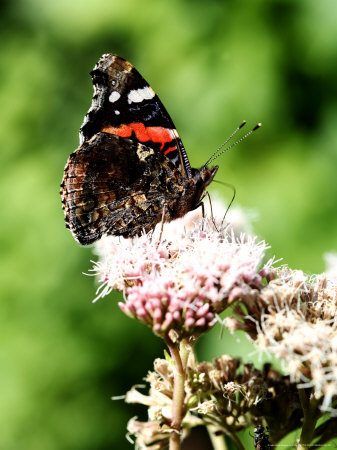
{"points": [[131, 170]]}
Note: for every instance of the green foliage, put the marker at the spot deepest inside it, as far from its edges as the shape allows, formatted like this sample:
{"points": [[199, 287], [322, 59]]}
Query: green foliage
{"points": [[213, 64]]}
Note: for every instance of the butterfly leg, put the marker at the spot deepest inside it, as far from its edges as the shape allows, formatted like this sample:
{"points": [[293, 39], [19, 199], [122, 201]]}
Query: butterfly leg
{"points": [[231, 186], [211, 208], [161, 225], [202, 214]]}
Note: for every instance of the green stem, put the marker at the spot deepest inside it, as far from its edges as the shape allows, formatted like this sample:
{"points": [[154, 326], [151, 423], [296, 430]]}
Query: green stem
{"points": [[236, 441], [218, 442], [310, 417], [179, 354], [185, 351], [211, 427]]}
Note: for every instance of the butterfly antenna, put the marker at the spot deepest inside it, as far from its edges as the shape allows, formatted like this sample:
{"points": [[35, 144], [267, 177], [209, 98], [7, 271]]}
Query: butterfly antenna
{"points": [[215, 155], [242, 124]]}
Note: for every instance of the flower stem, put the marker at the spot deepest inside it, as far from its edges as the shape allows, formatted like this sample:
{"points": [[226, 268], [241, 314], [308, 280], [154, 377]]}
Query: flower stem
{"points": [[236, 441], [180, 355], [310, 416], [218, 442]]}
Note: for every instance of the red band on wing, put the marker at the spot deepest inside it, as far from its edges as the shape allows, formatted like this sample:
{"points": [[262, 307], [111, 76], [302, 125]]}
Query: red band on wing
{"points": [[143, 133], [170, 149]]}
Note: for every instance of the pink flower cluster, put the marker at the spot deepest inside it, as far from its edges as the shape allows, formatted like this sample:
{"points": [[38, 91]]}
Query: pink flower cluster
{"points": [[182, 282]]}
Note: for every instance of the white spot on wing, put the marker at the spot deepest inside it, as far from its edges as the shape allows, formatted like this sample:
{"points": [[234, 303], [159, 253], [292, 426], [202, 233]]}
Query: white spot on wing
{"points": [[143, 152], [138, 95], [175, 134], [134, 97], [114, 96], [117, 112]]}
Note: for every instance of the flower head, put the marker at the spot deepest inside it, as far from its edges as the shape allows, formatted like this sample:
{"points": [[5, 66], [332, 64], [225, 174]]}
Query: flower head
{"points": [[226, 394], [294, 317], [180, 283]]}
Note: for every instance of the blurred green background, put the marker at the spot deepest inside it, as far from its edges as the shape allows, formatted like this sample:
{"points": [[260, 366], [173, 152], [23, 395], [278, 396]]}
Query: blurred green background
{"points": [[213, 63]]}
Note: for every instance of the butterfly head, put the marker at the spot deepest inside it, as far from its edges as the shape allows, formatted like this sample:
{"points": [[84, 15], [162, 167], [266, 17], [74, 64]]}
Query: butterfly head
{"points": [[202, 178], [206, 175]]}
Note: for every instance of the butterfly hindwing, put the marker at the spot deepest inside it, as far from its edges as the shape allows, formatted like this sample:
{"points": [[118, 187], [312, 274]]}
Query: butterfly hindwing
{"points": [[112, 183]]}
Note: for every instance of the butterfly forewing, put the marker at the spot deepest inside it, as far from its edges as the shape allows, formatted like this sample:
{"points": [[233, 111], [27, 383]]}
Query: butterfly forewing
{"points": [[124, 104]]}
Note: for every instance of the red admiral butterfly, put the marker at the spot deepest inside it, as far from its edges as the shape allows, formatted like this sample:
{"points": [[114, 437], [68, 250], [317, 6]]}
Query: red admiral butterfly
{"points": [[131, 170]]}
